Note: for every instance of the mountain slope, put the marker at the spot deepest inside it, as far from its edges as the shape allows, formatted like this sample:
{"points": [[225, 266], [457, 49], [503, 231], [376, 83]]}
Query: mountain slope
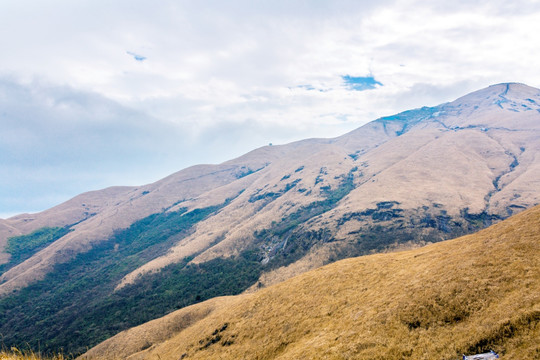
{"points": [[467, 295], [421, 176], [451, 169]]}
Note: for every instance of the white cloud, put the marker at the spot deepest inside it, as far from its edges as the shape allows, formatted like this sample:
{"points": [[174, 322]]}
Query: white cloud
{"points": [[216, 72]]}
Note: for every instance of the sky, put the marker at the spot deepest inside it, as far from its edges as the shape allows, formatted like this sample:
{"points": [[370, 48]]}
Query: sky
{"points": [[96, 93]]}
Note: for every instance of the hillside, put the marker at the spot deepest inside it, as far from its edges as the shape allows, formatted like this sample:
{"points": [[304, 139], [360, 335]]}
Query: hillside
{"points": [[467, 295], [72, 276]]}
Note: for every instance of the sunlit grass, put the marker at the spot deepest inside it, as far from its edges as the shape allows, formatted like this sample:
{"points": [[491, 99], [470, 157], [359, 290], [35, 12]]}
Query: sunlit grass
{"points": [[17, 354]]}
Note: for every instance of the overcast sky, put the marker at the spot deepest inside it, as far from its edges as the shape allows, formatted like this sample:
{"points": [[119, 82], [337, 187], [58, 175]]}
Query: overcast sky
{"points": [[95, 93]]}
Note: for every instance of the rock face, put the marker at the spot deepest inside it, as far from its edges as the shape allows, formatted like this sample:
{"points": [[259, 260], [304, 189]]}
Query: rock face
{"points": [[419, 176]]}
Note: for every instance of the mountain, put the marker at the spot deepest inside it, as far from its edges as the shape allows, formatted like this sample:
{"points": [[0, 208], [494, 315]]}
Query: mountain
{"points": [[402, 181], [467, 295]]}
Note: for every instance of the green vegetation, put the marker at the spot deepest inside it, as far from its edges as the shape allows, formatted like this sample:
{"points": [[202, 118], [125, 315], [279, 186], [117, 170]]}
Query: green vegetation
{"points": [[245, 171], [479, 221], [75, 306], [23, 247], [285, 242], [386, 226], [270, 196], [385, 211], [379, 228], [179, 285]]}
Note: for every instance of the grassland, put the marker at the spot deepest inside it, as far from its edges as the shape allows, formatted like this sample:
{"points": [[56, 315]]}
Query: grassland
{"points": [[467, 295], [16, 354]]}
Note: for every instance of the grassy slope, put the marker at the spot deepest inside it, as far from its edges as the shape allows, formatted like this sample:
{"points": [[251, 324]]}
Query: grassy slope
{"points": [[467, 295], [23, 247], [75, 307], [16, 354]]}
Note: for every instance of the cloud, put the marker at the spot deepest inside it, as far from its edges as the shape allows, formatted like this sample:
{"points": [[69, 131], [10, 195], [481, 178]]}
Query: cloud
{"points": [[235, 74], [57, 142]]}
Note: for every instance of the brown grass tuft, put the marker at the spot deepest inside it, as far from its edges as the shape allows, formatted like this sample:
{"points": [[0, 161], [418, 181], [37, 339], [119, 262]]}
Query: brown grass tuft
{"points": [[17, 354]]}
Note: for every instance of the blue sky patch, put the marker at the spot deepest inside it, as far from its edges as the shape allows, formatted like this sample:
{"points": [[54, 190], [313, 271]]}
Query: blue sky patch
{"points": [[137, 57], [309, 87], [360, 83], [306, 87]]}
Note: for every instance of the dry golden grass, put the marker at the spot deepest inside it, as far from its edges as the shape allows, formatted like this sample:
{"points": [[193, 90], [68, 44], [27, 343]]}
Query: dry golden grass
{"points": [[466, 295], [141, 338], [16, 354]]}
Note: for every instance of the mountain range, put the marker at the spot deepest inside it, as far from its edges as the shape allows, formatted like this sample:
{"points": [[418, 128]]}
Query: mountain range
{"points": [[399, 182]]}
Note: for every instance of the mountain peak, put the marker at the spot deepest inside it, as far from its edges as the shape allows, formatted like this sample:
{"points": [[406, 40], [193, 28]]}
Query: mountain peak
{"points": [[507, 89], [509, 96]]}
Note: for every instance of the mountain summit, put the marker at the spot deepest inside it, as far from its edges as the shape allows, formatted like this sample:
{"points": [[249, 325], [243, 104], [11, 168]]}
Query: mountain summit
{"points": [[417, 177]]}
